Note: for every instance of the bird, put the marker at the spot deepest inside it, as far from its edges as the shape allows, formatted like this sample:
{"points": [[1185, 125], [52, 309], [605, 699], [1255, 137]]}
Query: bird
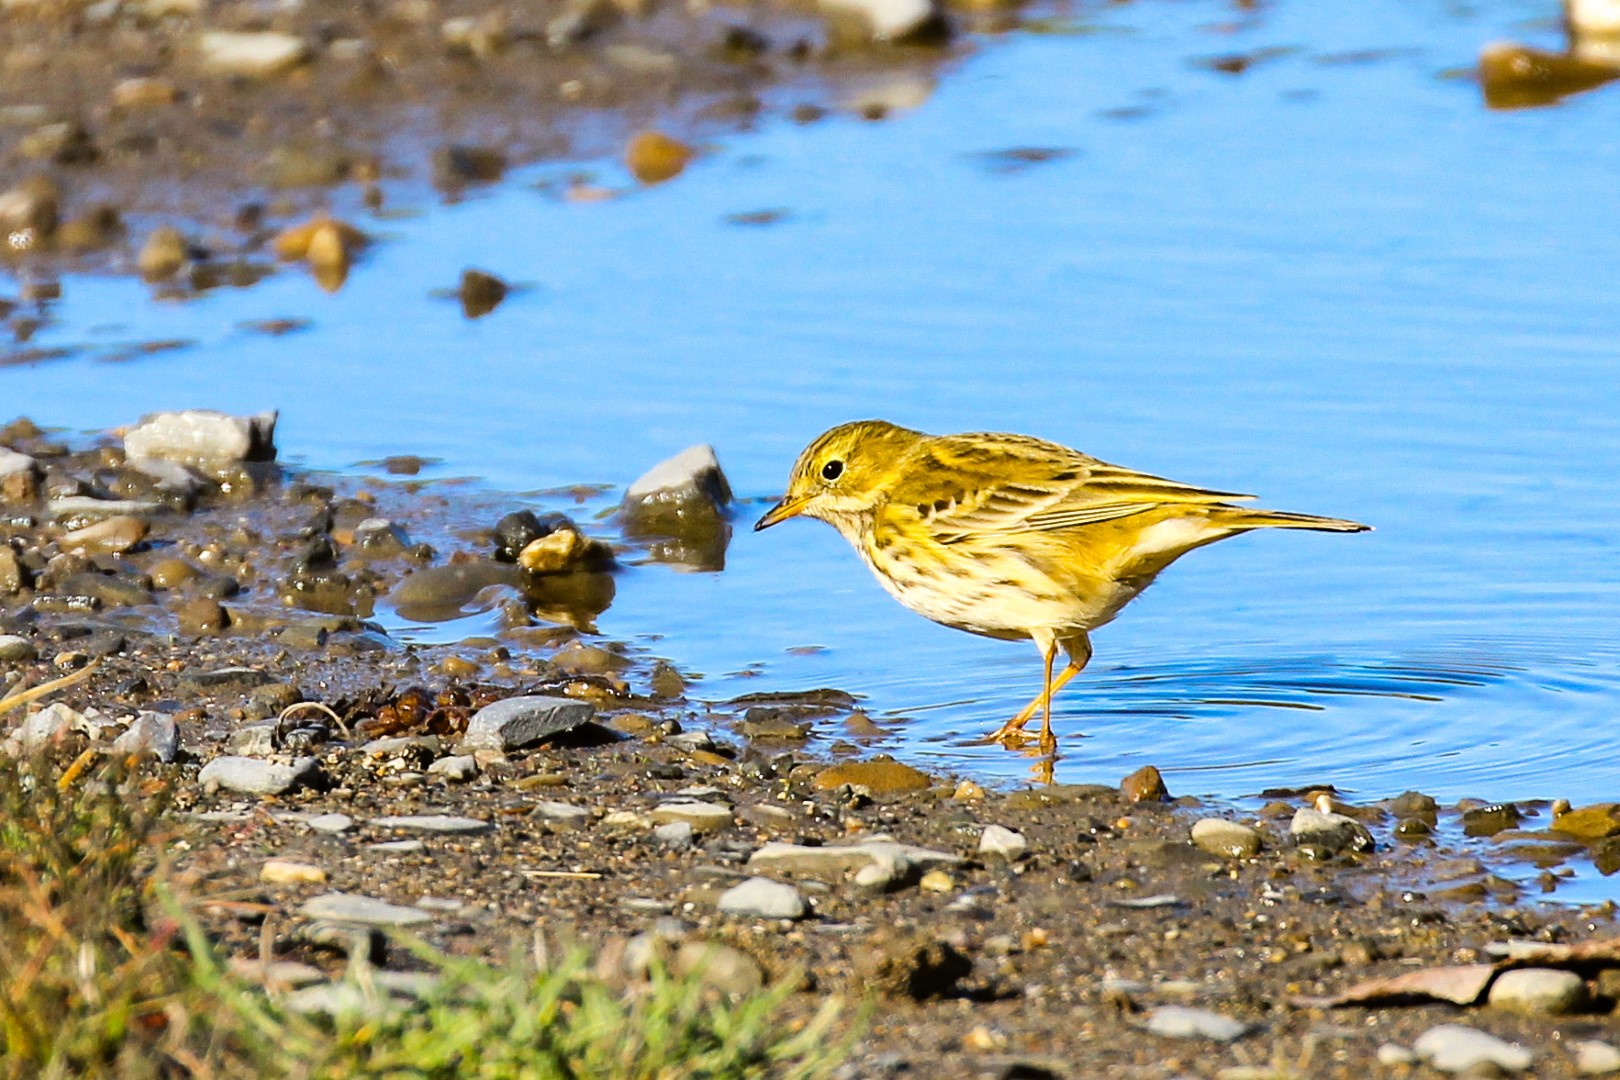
{"points": [[1010, 536]]}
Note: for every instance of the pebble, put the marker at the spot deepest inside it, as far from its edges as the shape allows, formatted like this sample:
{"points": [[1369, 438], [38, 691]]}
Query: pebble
{"points": [[1184, 1022], [652, 158], [203, 438], [349, 907], [200, 616], [152, 733], [1594, 1058], [163, 254], [144, 91], [565, 550], [1455, 1048], [520, 721], [459, 769], [1543, 991], [255, 776], [1329, 834], [1002, 842], [30, 212], [878, 776], [480, 293], [288, 872], [435, 823], [936, 881], [330, 823], [1392, 1054], [252, 53], [1229, 839], [12, 575], [675, 834], [114, 536], [399, 847], [53, 723], [702, 816], [900, 859], [19, 477], [763, 898]]}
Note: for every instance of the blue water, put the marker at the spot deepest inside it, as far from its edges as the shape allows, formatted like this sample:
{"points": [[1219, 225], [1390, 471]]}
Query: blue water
{"points": [[1346, 286]]}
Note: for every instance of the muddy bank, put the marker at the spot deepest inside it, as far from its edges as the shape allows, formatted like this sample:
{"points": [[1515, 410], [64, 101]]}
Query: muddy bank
{"points": [[173, 591]]}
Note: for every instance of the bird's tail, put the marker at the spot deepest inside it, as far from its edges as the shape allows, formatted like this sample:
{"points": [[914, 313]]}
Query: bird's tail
{"points": [[1241, 517]]}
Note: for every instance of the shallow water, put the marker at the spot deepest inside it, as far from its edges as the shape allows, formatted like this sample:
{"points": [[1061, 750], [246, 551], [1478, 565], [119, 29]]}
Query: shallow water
{"points": [[1336, 280]]}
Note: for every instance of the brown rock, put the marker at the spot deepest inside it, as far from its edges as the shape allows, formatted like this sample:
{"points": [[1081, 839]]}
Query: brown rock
{"points": [[914, 966], [171, 573], [654, 157], [201, 616], [1589, 822], [144, 93], [321, 239], [12, 577], [114, 536], [1145, 785], [1517, 77], [163, 254], [880, 776]]}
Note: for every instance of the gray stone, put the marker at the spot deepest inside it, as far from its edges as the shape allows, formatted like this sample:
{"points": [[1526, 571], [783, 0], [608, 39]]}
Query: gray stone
{"points": [[1226, 838], [728, 970], [19, 476], [690, 484], [351, 908], [561, 812], [459, 769], [763, 898], [1539, 990], [399, 744], [330, 823], [702, 816], [1391, 1054], [675, 834], [1002, 842], [1329, 833], [204, 438], [436, 823], [253, 740], [255, 776], [520, 721], [153, 733], [254, 54], [399, 847], [1594, 1058], [55, 722], [1183, 1022], [1455, 1048], [16, 650]]}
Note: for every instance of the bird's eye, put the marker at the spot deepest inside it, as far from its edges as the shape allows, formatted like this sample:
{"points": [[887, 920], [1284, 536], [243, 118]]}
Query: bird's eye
{"points": [[832, 470]]}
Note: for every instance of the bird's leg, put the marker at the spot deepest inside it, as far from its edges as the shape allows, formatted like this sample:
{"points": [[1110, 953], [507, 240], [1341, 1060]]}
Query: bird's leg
{"points": [[1012, 732], [1079, 650]]}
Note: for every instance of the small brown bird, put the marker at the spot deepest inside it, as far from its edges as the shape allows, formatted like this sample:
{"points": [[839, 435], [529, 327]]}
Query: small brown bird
{"points": [[1010, 536]]}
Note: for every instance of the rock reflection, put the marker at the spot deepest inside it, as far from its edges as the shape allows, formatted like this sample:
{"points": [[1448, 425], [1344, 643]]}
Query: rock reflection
{"points": [[445, 593], [1515, 76]]}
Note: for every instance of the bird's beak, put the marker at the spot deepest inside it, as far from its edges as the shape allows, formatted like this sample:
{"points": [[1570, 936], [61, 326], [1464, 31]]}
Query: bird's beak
{"points": [[781, 512]]}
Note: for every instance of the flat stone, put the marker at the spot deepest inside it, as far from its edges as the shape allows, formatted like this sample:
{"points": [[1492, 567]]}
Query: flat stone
{"points": [[223, 680], [1330, 833], [330, 823], [290, 872], [675, 834], [461, 768], [255, 54], [1543, 991], [53, 723], [561, 812], [521, 721], [1002, 842], [1184, 1022], [1594, 1058], [255, 776], [1455, 1048], [877, 776], [81, 508], [763, 898], [895, 862], [253, 740], [398, 744], [113, 536], [152, 734], [352, 908], [436, 823], [1392, 1054], [399, 847], [1226, 838], [702, 816]]}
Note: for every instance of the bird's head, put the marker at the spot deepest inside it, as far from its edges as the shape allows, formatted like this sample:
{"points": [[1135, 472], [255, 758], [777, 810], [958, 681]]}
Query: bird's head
{"points": [[841, 476]]}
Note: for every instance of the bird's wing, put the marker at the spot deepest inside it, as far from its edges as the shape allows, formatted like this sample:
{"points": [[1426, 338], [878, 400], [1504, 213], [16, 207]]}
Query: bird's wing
{"points": [[974, 485]]}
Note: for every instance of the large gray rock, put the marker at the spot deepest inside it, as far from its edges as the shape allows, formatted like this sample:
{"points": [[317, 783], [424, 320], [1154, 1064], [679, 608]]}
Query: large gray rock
{"points": [[255, 776], [521, 721], [153, 734], [203, 438], [684, 495], [350, 908], [53, 723], [763, 898], [1455, 1048]]}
